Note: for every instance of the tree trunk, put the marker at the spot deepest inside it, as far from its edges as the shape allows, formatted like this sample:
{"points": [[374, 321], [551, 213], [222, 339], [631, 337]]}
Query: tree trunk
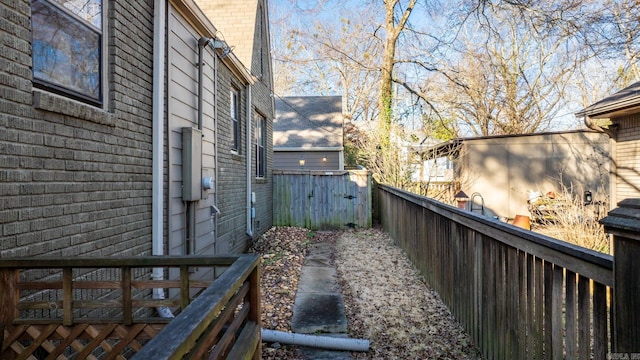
{"points": [[393, 31]]}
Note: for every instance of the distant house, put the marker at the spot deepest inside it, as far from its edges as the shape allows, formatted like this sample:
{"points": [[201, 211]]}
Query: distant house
{"points": [[150, 135], [623, 110], [308, 133], [501, 171], [431, 169]]}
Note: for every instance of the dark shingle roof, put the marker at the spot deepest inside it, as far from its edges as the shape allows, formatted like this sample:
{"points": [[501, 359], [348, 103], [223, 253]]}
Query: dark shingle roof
{"points": [[308, 122], [625, 99]]}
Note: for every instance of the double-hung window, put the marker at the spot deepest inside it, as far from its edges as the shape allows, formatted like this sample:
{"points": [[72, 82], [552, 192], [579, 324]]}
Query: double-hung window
{"points": [[67, 47], [235, 119], [261, 138]]}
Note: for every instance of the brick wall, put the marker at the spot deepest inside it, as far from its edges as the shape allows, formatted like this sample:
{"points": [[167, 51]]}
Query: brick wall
{"points": [[231, 168], [76, 179], [263, 104]]}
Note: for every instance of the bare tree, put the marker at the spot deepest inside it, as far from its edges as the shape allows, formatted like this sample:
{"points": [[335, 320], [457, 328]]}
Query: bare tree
{"points": [[396, 18], [477, 66]]}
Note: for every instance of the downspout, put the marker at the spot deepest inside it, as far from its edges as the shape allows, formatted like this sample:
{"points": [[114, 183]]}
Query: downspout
{"points": [[215, 141], [157, 195], [591, 125], [250, 208], [202, 42]]}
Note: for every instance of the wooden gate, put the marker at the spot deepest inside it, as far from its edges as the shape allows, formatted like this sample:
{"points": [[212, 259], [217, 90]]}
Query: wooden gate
{"points": [[322, 200]]}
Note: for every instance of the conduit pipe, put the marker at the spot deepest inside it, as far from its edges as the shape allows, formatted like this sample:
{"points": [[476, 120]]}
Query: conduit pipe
{"points": [[322, 342], [202, 42], [157, 230], [248, 157]]}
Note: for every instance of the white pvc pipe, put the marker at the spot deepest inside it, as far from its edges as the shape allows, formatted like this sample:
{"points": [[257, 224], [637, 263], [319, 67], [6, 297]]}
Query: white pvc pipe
{"points": [[157, 237], [248, 158], [322, 342]]}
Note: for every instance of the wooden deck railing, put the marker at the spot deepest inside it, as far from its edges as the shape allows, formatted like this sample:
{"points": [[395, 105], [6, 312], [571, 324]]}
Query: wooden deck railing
{"points": [[518, 294], [103, 307]]}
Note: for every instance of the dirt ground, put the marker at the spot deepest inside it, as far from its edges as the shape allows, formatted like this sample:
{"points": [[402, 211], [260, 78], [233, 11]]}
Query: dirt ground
{"points": [[386, 300]]}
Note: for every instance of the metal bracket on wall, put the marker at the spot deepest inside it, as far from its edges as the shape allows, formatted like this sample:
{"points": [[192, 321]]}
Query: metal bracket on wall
{"points": [[214, 210]]}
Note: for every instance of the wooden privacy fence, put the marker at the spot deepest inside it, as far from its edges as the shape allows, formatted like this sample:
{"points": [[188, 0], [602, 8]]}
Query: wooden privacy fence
{"points": [[68, 314], [518, 294], [321, 199]]}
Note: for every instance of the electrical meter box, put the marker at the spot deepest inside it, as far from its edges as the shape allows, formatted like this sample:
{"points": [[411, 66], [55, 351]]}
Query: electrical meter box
{"points": [[191, 164]]}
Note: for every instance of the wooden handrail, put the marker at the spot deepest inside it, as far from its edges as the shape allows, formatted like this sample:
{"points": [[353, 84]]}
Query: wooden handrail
{"points": [[12, 287], [179, 337], [517, 293], [595, 265], [114, 262], [226, 314]]}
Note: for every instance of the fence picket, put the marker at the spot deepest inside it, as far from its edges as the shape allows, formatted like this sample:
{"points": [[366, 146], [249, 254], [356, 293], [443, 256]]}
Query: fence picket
{"points": [[519, 294], [320, 200]]}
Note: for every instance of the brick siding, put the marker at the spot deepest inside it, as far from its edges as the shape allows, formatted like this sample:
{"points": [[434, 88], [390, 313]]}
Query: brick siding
{"points": [[76, 179]]}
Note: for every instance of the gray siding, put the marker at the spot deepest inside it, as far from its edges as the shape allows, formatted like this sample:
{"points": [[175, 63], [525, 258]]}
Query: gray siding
{"points": [[183, 112], [627, 164], [290, 160], [76, 179]]}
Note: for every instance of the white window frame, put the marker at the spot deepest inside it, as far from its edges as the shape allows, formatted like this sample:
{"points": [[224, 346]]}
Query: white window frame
{"points": [[234, 114], [261, 146], [59, 77]]}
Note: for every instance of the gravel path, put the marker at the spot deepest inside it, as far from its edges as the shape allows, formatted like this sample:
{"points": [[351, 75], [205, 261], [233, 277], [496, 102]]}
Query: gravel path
{"points": [[386, 300]]}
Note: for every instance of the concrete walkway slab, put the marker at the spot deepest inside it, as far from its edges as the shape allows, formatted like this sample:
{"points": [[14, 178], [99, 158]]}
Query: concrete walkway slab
{"points": [[318, 313], [319, 307]]}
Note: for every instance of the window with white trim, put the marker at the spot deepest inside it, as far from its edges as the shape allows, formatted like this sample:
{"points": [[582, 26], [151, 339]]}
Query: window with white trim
{"points": [[67, 47], [235, 118], [261, 142]]}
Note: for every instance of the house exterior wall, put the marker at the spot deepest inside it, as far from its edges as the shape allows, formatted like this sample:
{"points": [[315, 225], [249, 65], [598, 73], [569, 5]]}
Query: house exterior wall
{"points": [[627, 160], [232, 170], [290, 160], [192, 225], [262, 105], [504, 170], [75, 179], [244, 24]]}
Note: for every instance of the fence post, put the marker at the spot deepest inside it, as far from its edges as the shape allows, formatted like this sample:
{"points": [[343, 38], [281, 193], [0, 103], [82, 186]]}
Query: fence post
{"points": [[624, 224], [9, 295]]}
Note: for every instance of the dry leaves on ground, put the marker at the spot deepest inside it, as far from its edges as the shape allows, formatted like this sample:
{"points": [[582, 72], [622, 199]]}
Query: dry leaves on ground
{"points": [[282, 251], [386, 300]]}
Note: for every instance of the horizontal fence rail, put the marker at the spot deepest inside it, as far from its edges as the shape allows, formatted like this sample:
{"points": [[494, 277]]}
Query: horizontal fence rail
{"points": [[103, 307], [519, 295]]}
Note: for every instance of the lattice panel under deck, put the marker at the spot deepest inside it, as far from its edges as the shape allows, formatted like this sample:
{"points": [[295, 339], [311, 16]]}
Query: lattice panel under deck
{"points": [[81, 341]]}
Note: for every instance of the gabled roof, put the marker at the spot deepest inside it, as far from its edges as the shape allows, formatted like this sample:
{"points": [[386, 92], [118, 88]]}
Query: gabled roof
{"points": [[308, 122], [236, 22], [624, 101]]}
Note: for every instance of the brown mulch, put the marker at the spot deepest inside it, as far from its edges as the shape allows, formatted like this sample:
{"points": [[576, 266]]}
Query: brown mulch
{"points": [[386, 300]]}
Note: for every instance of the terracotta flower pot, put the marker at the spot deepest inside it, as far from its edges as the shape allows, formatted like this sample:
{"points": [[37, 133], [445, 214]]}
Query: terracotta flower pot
{"points": [[522, 221]]}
